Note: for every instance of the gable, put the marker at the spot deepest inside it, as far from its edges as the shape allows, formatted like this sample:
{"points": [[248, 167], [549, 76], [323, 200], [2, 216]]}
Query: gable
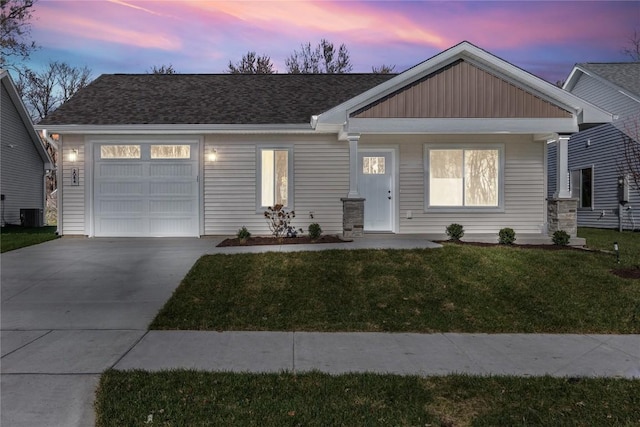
{"points": [[461, 90]]}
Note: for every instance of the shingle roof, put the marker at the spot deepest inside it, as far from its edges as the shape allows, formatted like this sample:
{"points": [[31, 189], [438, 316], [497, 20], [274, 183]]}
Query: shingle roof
{"points": [[117, 99], [623, 74]]}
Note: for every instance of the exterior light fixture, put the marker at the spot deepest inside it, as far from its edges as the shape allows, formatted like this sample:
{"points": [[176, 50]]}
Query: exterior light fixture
{"points": [[73, 155], [212, 156], [616, 249]]}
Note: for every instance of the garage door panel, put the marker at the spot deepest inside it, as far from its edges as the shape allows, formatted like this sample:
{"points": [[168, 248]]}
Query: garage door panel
{"points": [[147, 196]]}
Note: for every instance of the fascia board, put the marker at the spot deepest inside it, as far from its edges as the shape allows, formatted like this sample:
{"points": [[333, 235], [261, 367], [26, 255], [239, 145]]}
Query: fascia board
{"points": [[181, 129], [464, 125]]}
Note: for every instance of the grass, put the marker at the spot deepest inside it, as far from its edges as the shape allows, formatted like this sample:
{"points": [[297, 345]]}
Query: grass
{"points": [[181, 398], [454, 289], [628, 242], [15, 237]]}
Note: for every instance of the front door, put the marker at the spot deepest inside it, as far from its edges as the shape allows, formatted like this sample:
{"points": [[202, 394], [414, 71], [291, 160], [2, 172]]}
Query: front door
{"points": [[375, 185]]}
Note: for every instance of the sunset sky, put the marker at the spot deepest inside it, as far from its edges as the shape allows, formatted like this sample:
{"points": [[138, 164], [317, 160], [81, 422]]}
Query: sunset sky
{"points": [[545, 38]]}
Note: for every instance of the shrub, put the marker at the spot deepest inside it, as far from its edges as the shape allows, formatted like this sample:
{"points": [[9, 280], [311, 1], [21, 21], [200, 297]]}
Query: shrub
{"points": [[455, 231], [279, 221], [560, 238], [314, 231], [506, 236], [243, 233]]}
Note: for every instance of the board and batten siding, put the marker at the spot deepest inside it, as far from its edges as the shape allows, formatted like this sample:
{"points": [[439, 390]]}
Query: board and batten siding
{"points": [[22, 167], [321, 178], [524, 186], [72, 196]]}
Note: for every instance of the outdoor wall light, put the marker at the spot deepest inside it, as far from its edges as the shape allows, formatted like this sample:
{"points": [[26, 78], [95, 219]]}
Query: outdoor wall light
{"points": [[212, 156], [73, 155]]}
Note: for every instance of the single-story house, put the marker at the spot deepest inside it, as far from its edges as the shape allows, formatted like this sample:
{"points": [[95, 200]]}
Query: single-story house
{"points": [[596, 155], [460, 137], [24, 163]]}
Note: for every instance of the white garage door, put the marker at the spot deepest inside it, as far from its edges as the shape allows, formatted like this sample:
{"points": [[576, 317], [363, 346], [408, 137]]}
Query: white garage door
{"points": [[146, 190]]}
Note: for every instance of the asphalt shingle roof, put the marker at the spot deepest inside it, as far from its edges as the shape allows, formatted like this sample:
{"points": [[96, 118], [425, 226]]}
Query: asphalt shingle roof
{"points": [[118, 99], [623, 74]]}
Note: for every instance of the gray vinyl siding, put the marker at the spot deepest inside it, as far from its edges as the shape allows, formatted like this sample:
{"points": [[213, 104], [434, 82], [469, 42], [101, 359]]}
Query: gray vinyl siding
{"points": [[605, 96], [22, 181], [71, 196], [321, 178], [604, 153], [524, 186]]}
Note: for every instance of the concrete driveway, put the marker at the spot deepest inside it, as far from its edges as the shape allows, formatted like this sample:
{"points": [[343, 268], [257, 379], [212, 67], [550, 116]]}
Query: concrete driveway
{"points": [[71, 308]]}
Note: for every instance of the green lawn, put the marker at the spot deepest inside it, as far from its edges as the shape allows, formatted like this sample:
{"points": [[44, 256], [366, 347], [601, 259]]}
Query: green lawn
{"points": [[14, 237], [628, 243], [457, 288], [188, 398]]}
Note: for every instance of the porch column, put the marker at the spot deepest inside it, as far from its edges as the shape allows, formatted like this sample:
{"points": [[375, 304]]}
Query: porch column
{"points": [[353, 166], [353, 204], [562, 209], [562, 168]]}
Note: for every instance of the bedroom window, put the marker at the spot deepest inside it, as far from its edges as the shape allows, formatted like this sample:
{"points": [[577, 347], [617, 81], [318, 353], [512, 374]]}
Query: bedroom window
{"points": [[275, 177], [464, 177], [582, 187]]}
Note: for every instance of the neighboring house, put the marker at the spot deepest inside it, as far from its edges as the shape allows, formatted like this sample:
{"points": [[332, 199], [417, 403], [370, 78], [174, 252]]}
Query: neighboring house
{"points": [[460, 137], [596, 158], [24, 161]]}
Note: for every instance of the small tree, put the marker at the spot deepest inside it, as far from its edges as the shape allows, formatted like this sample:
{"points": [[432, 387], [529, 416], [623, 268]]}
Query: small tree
{"points": [[629, 165], [322, 59], [252, 64], [383, 69], [15, 29], [162, 69]]}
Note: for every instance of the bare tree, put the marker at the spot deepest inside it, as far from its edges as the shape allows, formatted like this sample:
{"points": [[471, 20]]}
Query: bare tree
{"points": [[44, 91], [633, 48], [322, 59], [383, 69], [630, 163], [14, 30], [251, 63], [162, 69]]}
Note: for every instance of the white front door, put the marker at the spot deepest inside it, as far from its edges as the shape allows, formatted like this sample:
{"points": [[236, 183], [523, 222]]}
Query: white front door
{"points": [[376, 186], [146, 189]]}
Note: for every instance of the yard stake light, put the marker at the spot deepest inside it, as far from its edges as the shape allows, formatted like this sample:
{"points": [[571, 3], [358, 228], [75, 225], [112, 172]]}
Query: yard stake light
{"points": [[617, 251]]}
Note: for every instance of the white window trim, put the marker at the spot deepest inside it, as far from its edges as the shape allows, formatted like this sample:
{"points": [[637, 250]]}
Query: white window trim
{"points": [[291, 179], [578, 193], [463, 209]]}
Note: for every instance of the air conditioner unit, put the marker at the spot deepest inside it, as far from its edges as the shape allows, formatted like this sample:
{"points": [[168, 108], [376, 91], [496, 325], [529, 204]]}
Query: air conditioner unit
{"points": [[31, 218]]}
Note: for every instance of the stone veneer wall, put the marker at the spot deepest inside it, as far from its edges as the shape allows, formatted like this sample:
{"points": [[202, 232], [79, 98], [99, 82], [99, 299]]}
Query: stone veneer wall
{"points": [[562, 214], [352, 217]]}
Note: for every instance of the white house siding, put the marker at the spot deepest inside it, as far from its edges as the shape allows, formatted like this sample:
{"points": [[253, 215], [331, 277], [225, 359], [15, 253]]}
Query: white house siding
{"points": [[524, 189], [72, 196], [321, 178], [22, 182]]}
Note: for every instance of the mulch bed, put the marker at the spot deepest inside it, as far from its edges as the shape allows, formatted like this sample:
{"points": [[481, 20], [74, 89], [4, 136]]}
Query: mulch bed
{"points": [[627, 273], [269, 240], [515, 245]]}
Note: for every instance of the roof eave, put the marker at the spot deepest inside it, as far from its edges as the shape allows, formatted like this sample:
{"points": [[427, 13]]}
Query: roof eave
{"points": [[181, 129]]}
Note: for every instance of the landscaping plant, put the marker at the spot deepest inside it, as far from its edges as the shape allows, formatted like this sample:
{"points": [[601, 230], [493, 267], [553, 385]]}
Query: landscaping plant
{"points": [[243, 234], [455, 231], [279, 221], [314, 230], [560, 238], [506, 236]]}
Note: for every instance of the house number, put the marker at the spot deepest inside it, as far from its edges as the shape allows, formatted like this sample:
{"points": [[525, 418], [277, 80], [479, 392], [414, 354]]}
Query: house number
{"points": [[75, 177]]}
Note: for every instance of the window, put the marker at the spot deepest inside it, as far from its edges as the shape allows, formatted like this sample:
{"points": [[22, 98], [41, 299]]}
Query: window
{"points": [[373, 165], [275, 180], [464, 177], [119, 151], [171, 151], [582, 187]]}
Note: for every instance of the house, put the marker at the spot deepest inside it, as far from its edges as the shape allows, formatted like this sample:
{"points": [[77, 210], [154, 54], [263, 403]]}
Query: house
{"points": [[460, 137], [596, 155], [25, 161]]}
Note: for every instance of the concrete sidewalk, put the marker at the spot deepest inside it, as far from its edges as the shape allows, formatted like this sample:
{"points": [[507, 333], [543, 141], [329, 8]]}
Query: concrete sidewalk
{"points": [[404, 353], [72, 308]]}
